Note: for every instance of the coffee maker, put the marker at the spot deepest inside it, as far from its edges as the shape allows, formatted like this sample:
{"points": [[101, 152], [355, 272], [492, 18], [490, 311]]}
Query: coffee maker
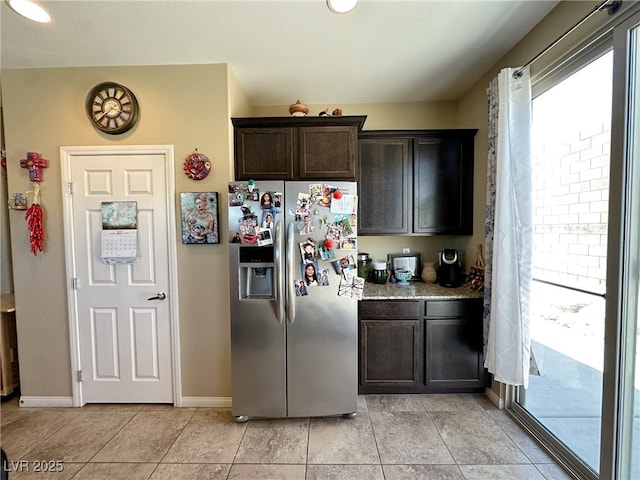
{"points": [[450, 267]]}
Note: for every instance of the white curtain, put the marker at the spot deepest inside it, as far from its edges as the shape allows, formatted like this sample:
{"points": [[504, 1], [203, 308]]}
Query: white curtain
{"points": [[509, 221]]}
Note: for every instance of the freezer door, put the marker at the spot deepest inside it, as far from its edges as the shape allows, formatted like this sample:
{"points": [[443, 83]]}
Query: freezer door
{"points": [[322, 335], [258, 356], [322, 359]]}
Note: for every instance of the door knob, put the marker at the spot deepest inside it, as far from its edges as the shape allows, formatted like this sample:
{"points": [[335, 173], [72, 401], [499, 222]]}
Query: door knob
{"points": [[159, 296]]}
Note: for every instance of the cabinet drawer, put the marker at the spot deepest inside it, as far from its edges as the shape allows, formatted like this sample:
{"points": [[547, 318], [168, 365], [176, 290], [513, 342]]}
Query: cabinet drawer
{"points": [[384, 309], [454, 308]]}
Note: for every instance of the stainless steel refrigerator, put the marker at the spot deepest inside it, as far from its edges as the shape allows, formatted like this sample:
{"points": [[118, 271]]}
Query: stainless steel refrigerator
{"points": [[294, 293]]}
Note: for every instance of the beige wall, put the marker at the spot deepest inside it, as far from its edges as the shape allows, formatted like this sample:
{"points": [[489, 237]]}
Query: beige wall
{"points": [[189, 107], [185, 106]]}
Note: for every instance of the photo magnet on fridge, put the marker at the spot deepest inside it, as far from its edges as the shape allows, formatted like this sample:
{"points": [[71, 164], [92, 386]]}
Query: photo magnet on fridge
{"points": [[267, 218], [248, 229], [327, 191], [351, 287], [337, 267], [264, 236], [324, 278], [315, 190], [235, 195], [310, 273], [347, 266], [326, 253], [307, 225], [308, 251], [301, 288], [344, 223], [349, 243], [266, 201]]}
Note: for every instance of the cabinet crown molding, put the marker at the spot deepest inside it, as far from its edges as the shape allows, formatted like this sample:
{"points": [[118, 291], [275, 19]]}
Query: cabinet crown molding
{"points": [[308, 121]]}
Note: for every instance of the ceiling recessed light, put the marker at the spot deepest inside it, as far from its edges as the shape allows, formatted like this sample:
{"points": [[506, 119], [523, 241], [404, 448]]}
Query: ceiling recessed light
{"points": [[341, 6], [30, 10]]}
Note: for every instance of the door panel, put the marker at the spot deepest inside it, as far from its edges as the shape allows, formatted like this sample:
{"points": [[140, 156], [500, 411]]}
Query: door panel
{"points": [[125, 339], [104, 343], [144, 343]]}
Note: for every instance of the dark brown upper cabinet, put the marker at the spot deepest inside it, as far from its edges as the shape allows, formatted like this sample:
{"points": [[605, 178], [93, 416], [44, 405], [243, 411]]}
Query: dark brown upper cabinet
{"points": [[416, 182], [297, 148]]}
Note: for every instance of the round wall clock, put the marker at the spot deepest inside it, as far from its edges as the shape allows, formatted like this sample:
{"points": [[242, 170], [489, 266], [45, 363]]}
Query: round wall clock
{"points": [[112, 108]]}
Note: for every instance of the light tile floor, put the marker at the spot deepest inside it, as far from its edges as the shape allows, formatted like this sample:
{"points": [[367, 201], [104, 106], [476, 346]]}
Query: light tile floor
{"points": [[394, 437]]}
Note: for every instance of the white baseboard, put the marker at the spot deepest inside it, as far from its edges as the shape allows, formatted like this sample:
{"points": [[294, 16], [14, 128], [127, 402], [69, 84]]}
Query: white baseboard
{"points": [[27, 401], [221, 402], [495, 398]]}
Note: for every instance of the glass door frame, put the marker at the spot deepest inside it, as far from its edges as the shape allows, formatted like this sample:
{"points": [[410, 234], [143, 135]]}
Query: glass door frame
{"points": [[623, 253]]}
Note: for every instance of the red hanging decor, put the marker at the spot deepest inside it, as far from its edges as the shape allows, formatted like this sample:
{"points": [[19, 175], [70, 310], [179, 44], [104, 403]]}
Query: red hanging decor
{"points": [[34, 222], [34, 163]]}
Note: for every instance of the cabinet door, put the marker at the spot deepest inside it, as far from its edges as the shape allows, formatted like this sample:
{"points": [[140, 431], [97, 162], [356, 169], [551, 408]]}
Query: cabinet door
{"points": [[443, 186], [453, 349], [264, 153], [328, 152], [390, 356], [385, 190]]}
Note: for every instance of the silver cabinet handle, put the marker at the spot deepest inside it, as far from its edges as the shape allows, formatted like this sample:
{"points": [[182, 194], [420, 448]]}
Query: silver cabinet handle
{"points": [[159, 296]]}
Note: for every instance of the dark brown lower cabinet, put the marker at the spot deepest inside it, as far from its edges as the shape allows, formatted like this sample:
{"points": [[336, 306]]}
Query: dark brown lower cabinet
{"points": [[454, 354], [421, 346], [396, 365], [390, 346]]}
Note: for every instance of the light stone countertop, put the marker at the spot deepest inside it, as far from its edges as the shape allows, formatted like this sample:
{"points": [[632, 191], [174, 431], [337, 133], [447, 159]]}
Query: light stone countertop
{"points": [[416, 291]]}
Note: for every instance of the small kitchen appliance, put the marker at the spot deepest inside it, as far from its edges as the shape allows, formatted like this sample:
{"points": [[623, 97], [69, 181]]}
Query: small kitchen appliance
{"points": [[379, 272], [450, 267], [364, 265]]}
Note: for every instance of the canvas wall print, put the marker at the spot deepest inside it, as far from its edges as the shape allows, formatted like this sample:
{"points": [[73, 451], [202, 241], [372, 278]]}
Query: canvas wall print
{"points": [[199, 217]]}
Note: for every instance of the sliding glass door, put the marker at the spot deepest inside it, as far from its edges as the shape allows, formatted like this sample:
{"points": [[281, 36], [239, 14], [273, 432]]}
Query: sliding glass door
{"points": [[571, 155], [583, 399]]}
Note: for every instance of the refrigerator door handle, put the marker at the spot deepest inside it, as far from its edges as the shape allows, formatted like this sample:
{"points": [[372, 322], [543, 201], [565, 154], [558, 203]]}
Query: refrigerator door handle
{"points": [[291, 289], [279, 273]]}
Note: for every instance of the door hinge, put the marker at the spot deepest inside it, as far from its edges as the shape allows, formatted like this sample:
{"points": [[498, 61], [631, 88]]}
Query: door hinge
{"points": [[79, 375], [74, 283], [69, 188]]}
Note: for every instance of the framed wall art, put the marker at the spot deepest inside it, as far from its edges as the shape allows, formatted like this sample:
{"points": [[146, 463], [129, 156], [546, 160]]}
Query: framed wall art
{"points": [[199, 217]]}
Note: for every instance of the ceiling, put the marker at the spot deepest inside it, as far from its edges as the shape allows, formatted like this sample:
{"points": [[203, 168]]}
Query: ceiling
{"points": [[383, 51]]}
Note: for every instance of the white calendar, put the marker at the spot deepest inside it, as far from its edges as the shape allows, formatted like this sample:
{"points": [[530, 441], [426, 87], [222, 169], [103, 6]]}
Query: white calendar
{"points": [[119, 246]]}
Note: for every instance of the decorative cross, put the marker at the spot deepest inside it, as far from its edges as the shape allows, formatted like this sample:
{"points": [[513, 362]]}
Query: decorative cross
{"points": [[34, 163]]}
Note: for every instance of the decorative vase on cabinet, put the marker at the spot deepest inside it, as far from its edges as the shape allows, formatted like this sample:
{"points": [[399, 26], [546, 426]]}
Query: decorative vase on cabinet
{"points": [[429, 274]]}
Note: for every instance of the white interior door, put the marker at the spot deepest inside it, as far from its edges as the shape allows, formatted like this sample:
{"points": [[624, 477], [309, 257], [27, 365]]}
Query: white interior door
{"points": [[123, 313]]}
